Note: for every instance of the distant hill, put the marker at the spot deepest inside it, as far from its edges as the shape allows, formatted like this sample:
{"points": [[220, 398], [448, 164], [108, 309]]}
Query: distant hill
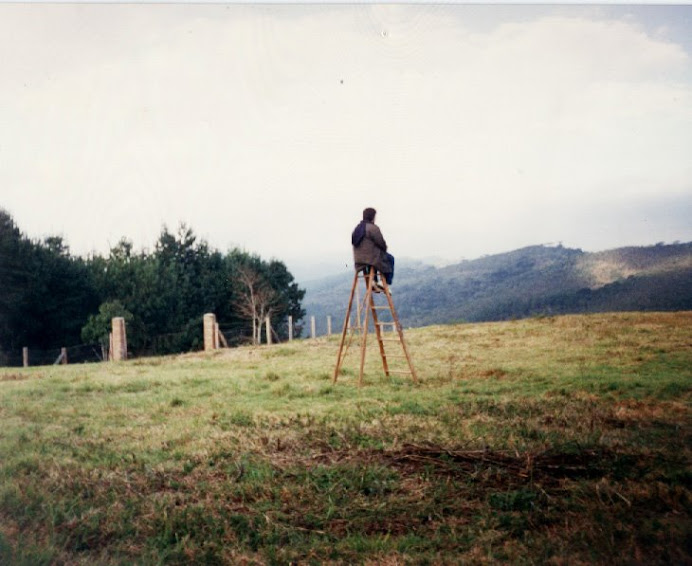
{"points": [[537, 280]]}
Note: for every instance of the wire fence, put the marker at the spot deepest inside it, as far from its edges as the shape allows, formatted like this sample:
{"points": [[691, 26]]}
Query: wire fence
{"points": [[234, 335], [81, 353]]}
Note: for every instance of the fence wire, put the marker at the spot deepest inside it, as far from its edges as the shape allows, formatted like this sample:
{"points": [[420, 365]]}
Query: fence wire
{"points": [[79, 354], [235, 334]]}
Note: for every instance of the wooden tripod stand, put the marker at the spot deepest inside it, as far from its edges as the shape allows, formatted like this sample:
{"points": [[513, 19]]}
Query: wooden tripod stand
{"points": [[369, 307]]}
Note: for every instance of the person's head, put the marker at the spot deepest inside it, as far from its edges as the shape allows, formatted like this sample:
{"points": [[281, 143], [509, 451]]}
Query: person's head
{"points": [[369, 214]]}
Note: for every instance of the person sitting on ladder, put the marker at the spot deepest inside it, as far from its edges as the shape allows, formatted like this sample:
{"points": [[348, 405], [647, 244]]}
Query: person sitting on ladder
{"points": [[370, 249]]}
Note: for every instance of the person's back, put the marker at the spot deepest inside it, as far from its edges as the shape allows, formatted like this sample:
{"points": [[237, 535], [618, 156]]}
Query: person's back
{"points": [[369, 246]]}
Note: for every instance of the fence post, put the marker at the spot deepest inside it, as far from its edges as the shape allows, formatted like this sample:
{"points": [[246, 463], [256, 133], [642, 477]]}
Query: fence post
{"points": [[268, 329], [329, 325], [209, 331], [221, 339], [63, 355], [25, 356], [312, 327], [119, 351], [216, 336], [290, 328]]}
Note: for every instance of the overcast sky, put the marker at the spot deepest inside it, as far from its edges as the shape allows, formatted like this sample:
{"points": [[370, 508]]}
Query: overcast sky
{"points": [[472, 129]]}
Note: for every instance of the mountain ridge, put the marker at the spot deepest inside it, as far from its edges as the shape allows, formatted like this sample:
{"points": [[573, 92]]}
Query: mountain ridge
{"points": [[529, 281]]}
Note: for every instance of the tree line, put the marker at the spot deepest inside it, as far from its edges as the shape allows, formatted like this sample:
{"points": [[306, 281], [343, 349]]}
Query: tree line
{"points": [[50, 298]]}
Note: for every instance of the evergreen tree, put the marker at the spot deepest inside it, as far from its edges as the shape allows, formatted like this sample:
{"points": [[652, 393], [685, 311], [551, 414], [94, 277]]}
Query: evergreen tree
{"points": [[14, 277], [52, 299], [47, 294]]}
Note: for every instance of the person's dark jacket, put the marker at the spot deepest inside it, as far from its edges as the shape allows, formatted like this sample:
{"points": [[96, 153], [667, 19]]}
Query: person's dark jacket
{"points": [[372, 249]]}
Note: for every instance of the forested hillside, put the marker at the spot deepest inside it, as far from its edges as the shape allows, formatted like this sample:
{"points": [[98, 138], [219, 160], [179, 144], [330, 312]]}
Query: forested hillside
{"points": [[530, 281], [51, 298]]}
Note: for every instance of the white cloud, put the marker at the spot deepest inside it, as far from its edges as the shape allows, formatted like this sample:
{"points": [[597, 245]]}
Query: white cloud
{"points": [[271, 127]]}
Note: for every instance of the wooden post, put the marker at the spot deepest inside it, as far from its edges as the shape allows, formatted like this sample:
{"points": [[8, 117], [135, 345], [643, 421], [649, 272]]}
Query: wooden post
{"points": [[290, 328], [220, 337], [268, 330], [63, 355], [312, 327], [329, 326], [216, 336], [210, 342], [119, 352], [25, 356], [110, 346]]}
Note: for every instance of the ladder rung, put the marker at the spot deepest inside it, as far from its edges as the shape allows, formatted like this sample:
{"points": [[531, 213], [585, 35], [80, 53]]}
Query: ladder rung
{"points": [[401, 371], [381, 308]]}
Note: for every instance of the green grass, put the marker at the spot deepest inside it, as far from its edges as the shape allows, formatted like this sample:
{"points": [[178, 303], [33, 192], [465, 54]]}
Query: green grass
{"points": [[552, 440]]}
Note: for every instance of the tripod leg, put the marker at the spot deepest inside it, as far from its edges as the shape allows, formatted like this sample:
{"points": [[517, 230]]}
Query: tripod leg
{"points": [[340, 357], [370, 279], [399, 331], [378, 331]]}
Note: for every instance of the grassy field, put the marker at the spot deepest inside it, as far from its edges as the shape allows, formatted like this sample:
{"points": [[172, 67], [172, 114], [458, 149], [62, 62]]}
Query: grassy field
{"points": [[560, 440]]}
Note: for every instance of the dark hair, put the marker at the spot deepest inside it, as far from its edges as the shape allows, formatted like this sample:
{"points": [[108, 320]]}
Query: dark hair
{"points": [[369, 214]]}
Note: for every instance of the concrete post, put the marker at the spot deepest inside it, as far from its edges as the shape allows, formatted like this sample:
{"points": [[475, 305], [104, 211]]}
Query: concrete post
{"points": [[210, 340], [329, 326], [25, 356], [268, 329], [290, 328], [312, 327], [119, 351]]}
